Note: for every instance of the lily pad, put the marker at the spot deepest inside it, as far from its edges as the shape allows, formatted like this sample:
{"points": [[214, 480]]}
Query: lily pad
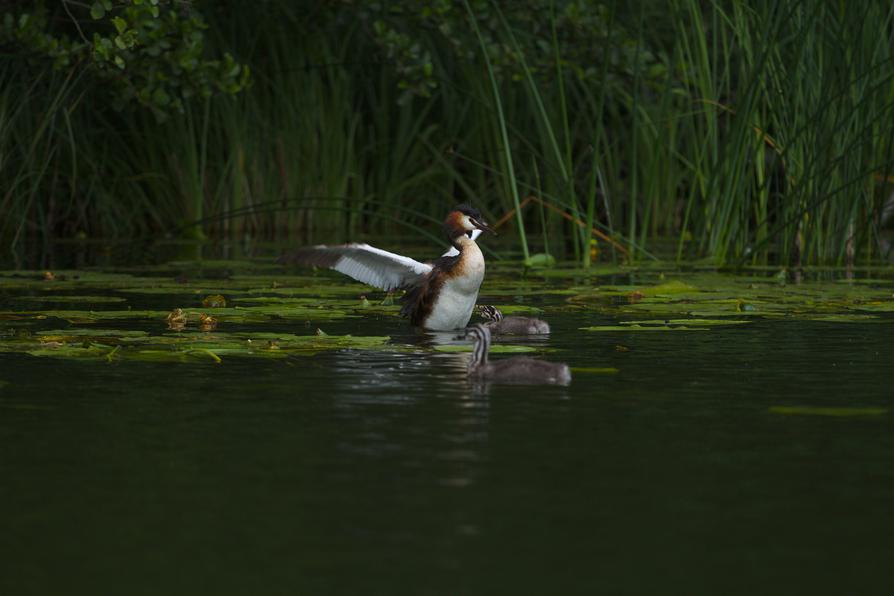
{"points": [[87, 316], [589, 370], [876, 307], [842, 318], [66, 298], [628, 328], [842, 412], [687, 322], [572, 272], [668, 288], [186, 346], [540, 260], [180, 289], [86, 333]]}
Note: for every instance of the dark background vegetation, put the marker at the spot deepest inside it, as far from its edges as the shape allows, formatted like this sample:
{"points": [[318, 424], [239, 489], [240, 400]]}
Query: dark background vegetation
{"points": [[739, 132]]}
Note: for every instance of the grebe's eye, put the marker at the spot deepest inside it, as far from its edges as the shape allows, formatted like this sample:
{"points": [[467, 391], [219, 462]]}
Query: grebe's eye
{"points": [[469, 233]]}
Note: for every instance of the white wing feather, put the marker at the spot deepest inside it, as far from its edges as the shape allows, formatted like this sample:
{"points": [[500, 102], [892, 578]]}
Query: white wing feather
{"points": [[367, 264]]}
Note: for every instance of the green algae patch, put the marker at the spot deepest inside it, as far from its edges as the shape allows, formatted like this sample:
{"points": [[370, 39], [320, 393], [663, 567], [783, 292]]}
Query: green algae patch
{"points": [[88, 333], [826, 411], [579, 272], [638, 328], [594, 370], [876, 306], [87, 316], [74, 299], [314, 307], [180, 290], [237, 314], [687, 322], [111, 346], [669, 288], [841, 318]]}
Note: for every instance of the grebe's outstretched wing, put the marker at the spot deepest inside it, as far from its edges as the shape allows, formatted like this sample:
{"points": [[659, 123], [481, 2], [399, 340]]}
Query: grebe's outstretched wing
{"points": [[363, 262], [452, 252]]}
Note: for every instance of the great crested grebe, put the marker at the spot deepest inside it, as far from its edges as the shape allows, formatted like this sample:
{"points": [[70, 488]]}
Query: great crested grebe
{"points": [[521, 369], [498, 324], [440, 295]]}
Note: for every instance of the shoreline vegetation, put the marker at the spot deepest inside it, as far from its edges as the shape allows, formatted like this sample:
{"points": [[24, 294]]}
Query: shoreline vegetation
{"points": [[732, 133]]}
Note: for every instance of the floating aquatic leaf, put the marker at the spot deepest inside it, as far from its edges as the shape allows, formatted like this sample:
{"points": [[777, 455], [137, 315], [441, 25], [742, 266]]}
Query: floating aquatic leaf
{"points": [[840, 412], [315, 290], [876, 306], [276, 300], [89, 316], [594, 271], [688, 322], [171, 289], [628, 328], [540, 260], [83, 332], [841, 318], [668, 288], [186, 346], [594, 370], [235, 314], [93, 351], [866, 281], [66, 298], [15, 316]]}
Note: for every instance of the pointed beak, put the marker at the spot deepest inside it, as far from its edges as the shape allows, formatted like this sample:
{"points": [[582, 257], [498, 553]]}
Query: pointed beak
{"points": [[482, 226]]}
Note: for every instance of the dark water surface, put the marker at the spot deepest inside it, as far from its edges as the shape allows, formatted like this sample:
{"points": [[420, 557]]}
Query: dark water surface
{"points": [[378, 472]]}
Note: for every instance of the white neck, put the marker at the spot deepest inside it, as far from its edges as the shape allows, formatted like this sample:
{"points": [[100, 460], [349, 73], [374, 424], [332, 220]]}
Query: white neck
{"points": [[464, 241]]}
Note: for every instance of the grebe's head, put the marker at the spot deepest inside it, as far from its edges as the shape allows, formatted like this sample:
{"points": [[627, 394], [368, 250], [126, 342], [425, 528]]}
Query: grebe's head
{"points": [[490, 313], [464, 220], [480, 336]]}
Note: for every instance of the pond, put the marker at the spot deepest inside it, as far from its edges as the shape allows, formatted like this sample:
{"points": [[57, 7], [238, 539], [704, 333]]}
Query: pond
{"points": [[723, 434]]}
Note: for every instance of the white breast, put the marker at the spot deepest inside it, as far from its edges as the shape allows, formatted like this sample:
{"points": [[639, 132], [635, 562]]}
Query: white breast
{"points": [[456, 300]]}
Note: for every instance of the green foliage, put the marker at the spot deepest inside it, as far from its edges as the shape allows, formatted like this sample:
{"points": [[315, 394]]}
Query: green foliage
{"points": [[146, 51], [419, 38], [732, 132]]}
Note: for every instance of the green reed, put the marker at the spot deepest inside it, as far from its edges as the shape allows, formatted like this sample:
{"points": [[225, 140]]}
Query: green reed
{"points": [[742, 132]]}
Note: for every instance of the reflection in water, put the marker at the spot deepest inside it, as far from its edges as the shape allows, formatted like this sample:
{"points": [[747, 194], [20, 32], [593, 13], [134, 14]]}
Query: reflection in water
{"points": [[368, 382], [360, 471]]}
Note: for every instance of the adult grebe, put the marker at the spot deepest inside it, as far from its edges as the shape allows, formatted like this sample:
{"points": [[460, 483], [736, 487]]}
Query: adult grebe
{"points": [[440, 295], [521, 369], [498, 324]]}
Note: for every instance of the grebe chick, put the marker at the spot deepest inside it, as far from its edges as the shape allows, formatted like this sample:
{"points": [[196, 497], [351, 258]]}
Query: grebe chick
{"points": [[500, 325], [520, 369], [440, 295]]}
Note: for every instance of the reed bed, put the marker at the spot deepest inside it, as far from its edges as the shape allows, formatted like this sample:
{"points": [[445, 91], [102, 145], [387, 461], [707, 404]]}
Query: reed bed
{"points": [[746, 133]]}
